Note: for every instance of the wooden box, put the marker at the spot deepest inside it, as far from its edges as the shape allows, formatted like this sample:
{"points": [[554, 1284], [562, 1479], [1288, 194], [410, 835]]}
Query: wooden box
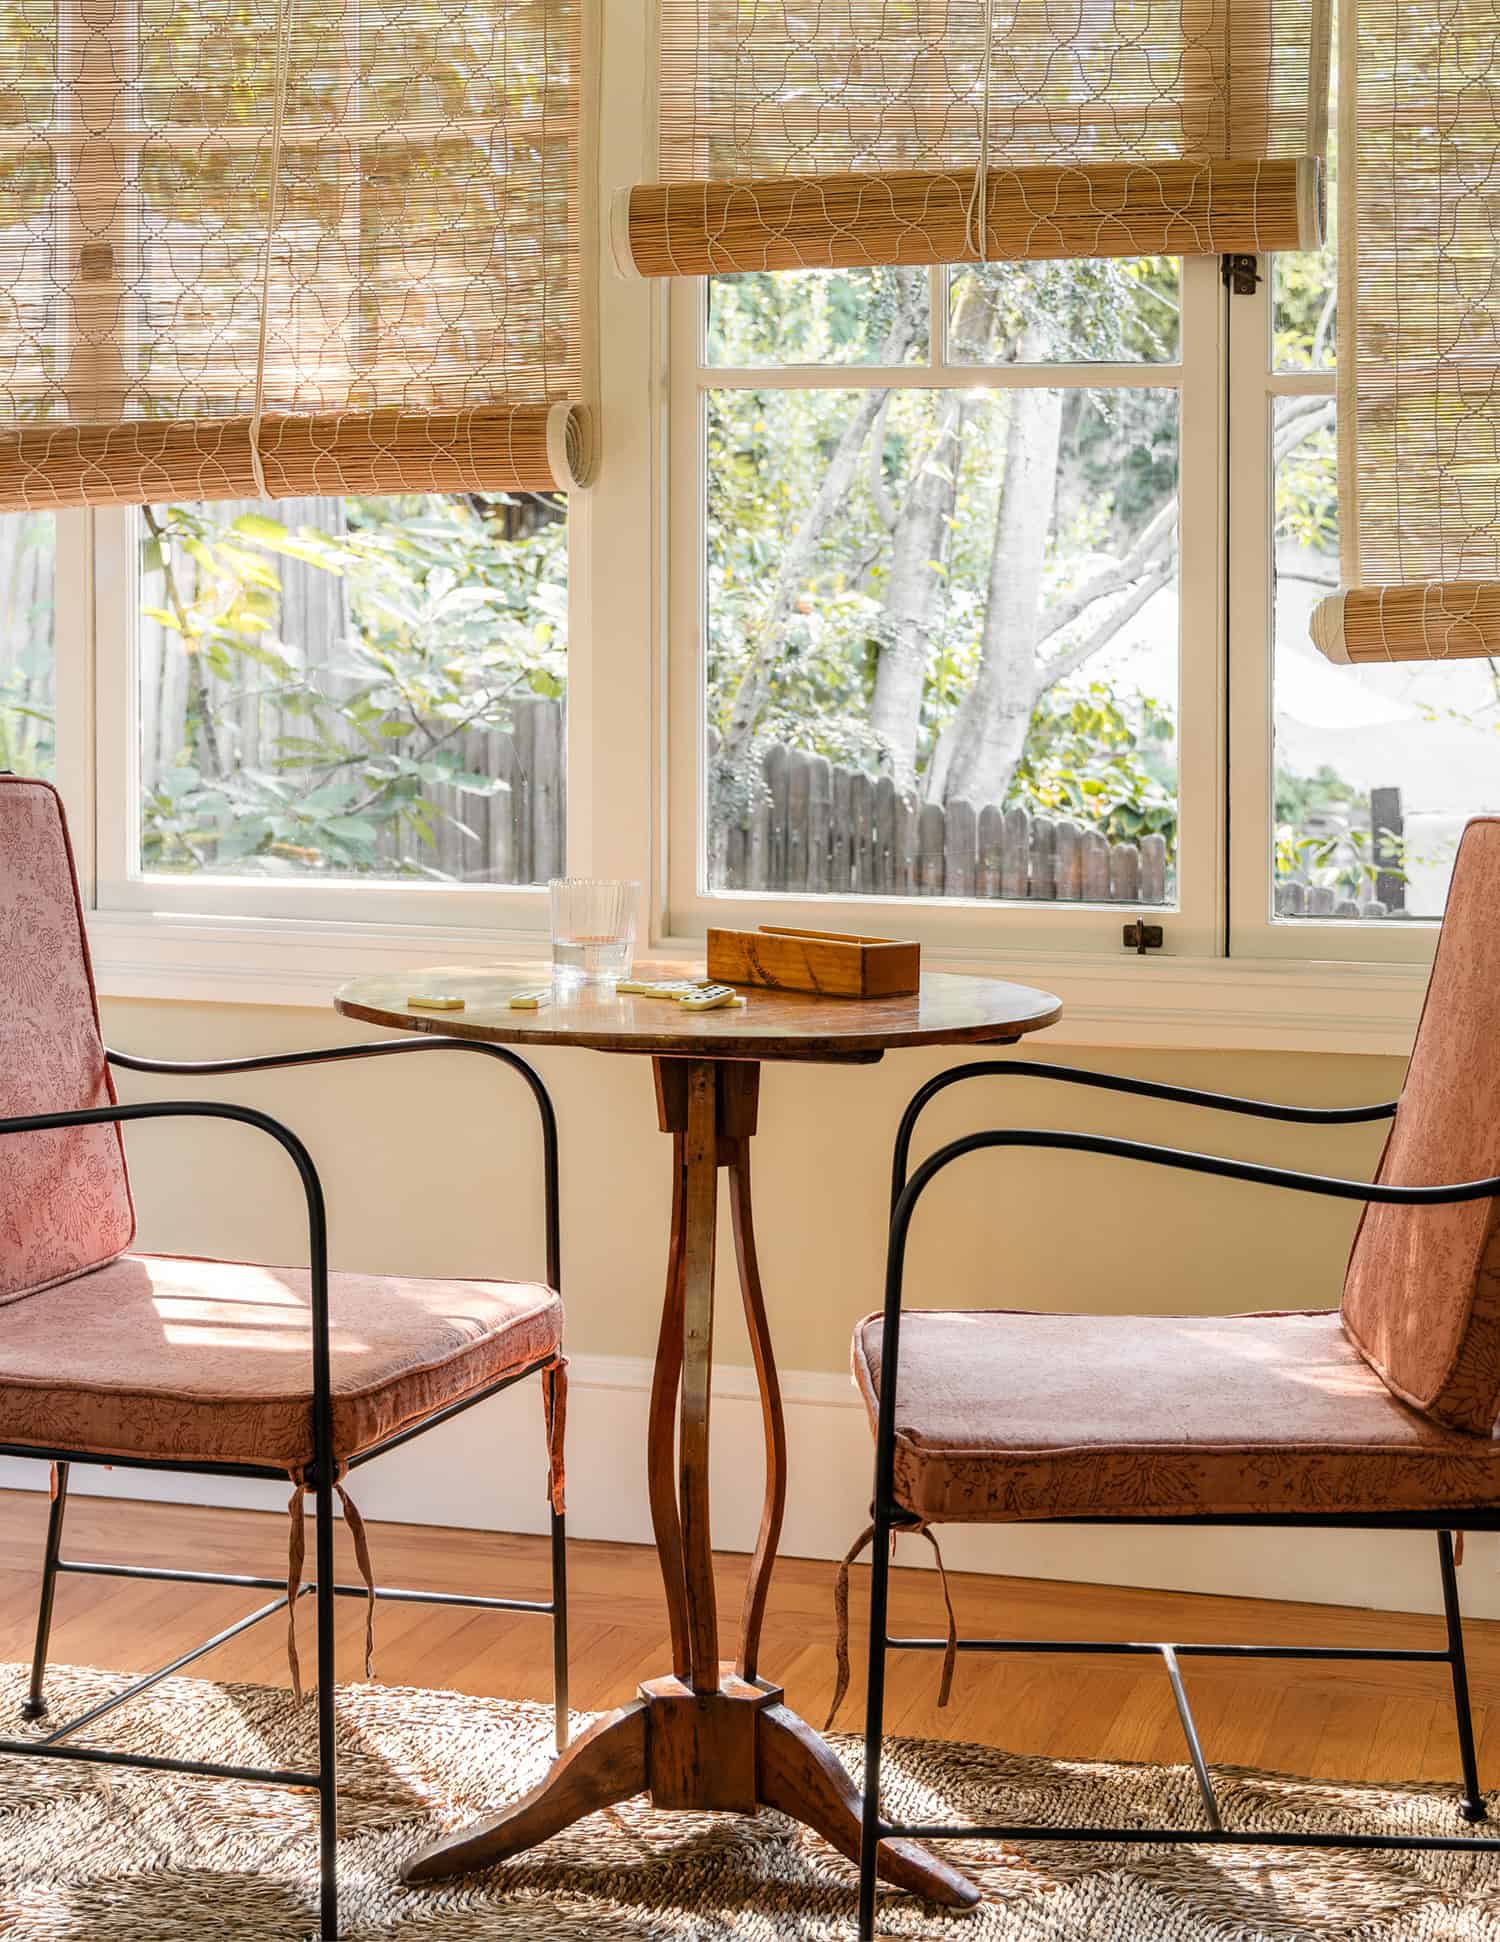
{"points": [[831, 962]]}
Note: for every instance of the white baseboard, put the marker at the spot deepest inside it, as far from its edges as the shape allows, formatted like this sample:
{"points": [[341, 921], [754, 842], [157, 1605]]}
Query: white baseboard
{"points": [[485, 1471]]}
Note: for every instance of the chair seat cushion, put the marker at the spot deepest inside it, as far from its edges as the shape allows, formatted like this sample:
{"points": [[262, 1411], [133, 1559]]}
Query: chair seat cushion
{"points": [[1003, 1416], [188, 1360]]}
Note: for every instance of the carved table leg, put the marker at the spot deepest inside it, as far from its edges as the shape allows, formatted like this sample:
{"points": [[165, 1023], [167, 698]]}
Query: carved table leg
{"points": [[711, 1735], [601, 1767]]}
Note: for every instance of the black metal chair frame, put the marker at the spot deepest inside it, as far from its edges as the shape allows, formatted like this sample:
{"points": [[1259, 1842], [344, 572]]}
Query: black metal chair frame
{"points": [[889, 1517], [323, 1586]]}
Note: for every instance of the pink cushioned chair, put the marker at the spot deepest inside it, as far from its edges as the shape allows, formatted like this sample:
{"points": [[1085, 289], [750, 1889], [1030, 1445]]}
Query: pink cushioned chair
{"points": [[1379, 1414], [153, 1362]]}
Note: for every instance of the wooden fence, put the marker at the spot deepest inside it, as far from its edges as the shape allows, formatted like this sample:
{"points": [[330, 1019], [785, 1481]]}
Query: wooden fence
{"points": [[820, 827], [514, 836]]}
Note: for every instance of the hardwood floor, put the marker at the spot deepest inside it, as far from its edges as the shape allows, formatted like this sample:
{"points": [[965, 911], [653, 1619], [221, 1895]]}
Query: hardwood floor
{"points": [[1352, 1722]]}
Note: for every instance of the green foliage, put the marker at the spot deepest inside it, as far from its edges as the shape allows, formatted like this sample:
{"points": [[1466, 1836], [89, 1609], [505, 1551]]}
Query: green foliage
{"points": [[449, 623], [768, 453], [1088, 761], [26, 729], [1320, 837]]}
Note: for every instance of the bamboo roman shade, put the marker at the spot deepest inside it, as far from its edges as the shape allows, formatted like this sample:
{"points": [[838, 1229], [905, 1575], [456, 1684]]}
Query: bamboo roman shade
{"points": [[839, 133], [281, 247], [1419, 334]]}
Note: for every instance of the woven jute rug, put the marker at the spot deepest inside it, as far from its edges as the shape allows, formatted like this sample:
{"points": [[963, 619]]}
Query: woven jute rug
{"points": [[94, 1855]]}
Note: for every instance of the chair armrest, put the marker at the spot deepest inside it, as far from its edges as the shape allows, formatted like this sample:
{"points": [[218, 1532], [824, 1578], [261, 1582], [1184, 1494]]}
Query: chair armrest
{"points": [[1109, 1082], [317, 1221], [393, 1048]]}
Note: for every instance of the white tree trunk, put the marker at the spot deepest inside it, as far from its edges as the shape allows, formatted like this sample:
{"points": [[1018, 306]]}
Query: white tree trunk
{"points": [[913, 600], [797, 558], [989, 731]]}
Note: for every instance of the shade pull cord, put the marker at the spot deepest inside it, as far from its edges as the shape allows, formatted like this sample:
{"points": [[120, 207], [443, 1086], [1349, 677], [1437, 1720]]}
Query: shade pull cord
{"points": [[555, 1413], [273, 216], [841, 1614], [977, 215]]}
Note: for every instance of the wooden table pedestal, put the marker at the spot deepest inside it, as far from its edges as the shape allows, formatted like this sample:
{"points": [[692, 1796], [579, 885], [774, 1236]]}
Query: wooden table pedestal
{"points": [[713, 1735]]}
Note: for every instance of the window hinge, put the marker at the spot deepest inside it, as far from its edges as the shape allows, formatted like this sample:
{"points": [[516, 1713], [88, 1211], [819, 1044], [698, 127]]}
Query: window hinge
{"points": [[1239, 273], [1142, 937]]}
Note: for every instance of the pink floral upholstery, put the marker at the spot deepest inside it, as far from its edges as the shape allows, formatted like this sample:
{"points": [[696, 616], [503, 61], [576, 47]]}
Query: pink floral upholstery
{"points": [[167, 1357], [64, 1196], [150, 1356], [1422, 1292], [1005, 1416]]}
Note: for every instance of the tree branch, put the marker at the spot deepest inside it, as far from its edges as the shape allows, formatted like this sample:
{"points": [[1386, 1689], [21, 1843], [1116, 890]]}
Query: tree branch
{"points": [[885, 510], [833, 489], [1073, 658], [1161, 527], [1297, 426]]}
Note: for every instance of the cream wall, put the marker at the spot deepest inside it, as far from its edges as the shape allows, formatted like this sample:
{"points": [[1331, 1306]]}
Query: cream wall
{"points": [[430, 1165]]}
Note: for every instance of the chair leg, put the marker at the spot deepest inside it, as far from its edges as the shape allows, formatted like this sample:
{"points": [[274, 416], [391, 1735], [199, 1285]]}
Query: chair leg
{"points": [[869, 1840], [328, 1807], [35, 1706], [560, 1630], [1472, 1804]]}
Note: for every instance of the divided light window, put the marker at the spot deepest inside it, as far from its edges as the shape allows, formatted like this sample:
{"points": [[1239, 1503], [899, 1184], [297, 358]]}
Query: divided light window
{"points": [[939, 593]]}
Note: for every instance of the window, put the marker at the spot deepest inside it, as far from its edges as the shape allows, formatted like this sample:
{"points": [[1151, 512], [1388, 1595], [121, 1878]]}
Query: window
{"points": [[353, 688], [747, 666], [940, 616], [1355, 781], [314, 708]]}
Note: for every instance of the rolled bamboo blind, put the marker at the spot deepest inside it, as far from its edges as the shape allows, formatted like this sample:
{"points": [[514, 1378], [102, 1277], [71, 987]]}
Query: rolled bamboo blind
{"points": [[836, 133], [1419, 326], [281, 247]]}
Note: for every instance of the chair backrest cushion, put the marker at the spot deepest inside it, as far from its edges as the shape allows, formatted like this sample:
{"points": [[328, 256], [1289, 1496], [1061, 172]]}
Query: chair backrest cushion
{"points": [[1422, 1292], [65, 1202]]}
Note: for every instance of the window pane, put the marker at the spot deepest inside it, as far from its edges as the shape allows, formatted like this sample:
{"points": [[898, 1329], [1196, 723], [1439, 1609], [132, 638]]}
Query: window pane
{"points": [[763, 318], [1066, 313], [1304, 285], [1377, 768], [354, 688], [942, 598], [27, 692]]}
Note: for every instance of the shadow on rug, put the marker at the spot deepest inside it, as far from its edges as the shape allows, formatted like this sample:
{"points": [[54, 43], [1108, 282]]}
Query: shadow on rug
{"points": [[89, 1854]]}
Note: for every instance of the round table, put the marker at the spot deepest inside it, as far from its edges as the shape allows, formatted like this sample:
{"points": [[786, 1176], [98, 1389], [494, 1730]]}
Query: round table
{"points": [[710, 1735]]}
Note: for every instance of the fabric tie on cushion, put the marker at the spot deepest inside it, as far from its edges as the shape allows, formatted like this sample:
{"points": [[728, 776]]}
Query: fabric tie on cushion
{"points": [[362, 1559], [296, 1552], [296, 1557], [555, 1411], [841, 1613]]}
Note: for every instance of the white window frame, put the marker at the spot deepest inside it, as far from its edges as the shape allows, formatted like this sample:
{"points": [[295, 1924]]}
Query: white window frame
{"points": [[122, 885], [1254, 932], [973, 929]]}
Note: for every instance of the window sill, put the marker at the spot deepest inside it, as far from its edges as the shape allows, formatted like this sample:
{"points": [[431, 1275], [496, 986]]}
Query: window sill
{"points": [[1177, 1003]]}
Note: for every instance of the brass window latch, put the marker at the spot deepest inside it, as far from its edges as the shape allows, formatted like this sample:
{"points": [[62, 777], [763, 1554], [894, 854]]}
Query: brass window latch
{"points": [[1142, 937]]}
